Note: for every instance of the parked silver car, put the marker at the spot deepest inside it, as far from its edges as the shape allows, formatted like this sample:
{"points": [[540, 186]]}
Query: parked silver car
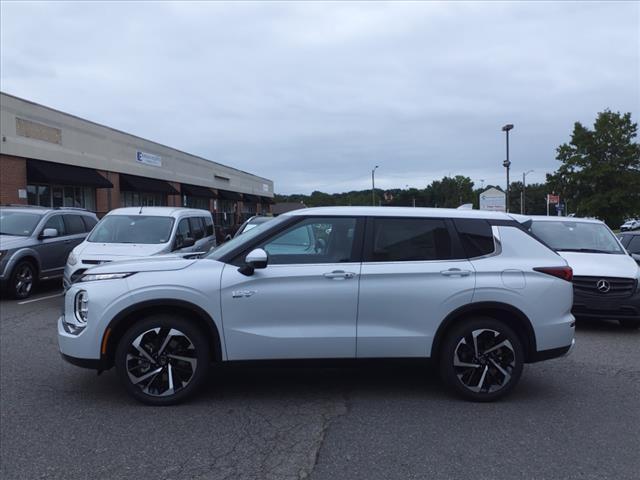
{"points": [[134, 232], [473, 290], [35, 243]]}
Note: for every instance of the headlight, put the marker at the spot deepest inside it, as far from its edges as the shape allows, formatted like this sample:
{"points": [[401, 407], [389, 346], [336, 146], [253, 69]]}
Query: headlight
{"points": [[81, 306], [72, 259], [92, 277]]}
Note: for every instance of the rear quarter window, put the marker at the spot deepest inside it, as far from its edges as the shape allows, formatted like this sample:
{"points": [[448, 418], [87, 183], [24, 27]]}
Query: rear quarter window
{"points": [[476, 236]]}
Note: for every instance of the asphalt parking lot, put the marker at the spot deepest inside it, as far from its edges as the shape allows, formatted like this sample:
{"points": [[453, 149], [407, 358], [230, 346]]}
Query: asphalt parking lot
{"points": [[577, 417]]}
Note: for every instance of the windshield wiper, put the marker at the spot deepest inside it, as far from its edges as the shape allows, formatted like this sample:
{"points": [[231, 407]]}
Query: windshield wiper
{"points": [[583, 250]]}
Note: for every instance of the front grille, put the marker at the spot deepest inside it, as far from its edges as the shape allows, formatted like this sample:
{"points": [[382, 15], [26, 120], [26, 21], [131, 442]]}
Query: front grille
{"points": [[617, 287]]}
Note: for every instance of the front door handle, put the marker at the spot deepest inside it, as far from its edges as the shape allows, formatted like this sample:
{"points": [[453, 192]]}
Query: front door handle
{"points": [[339, 275], [455, 272]]}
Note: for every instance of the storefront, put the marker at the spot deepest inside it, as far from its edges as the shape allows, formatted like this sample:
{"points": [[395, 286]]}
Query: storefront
{"points": [[194, 196], [146, 192], [227, 208], [57, 185]]}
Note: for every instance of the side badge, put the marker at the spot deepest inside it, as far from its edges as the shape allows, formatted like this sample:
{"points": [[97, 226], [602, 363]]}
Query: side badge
{"points": [[242, 293]]}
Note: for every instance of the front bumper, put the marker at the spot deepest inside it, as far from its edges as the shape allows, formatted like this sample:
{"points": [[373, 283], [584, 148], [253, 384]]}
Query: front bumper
{"points": [[599, 307]]}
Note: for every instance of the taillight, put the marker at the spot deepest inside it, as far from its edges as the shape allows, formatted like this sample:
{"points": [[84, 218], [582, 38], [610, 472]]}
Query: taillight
{"points": [[564, 273]]}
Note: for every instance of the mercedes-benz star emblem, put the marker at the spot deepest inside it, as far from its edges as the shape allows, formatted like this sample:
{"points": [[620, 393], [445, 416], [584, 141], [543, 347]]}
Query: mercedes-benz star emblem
{"points": [[603, 286]]}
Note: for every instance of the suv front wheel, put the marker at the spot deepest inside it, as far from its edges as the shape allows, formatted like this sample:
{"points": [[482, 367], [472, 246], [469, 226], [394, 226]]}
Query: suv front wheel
{"points": [[163, 359], [481, 359], [23, 280]]}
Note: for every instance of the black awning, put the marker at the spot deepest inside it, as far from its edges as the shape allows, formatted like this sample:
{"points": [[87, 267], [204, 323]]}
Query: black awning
{"points": [[229, 195], [250, 198], [267, 200], [196, 191], [133, 183], [59, 173]]}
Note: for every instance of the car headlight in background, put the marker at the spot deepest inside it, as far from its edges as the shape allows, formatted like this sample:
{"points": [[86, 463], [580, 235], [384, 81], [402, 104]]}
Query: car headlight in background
{"points": [[72, 259], [81, 306], [92, 277]]}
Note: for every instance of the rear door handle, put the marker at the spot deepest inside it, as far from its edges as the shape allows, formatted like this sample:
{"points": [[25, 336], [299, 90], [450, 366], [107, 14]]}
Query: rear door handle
{"points": [[455, 272], [339, 275]]}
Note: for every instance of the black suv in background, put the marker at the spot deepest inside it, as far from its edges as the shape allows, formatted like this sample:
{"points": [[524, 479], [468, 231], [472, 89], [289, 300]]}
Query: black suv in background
{"points": [[35, 243]]}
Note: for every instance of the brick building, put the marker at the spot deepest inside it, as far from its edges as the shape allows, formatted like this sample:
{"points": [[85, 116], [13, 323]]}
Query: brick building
{"points": [[51, 158]]}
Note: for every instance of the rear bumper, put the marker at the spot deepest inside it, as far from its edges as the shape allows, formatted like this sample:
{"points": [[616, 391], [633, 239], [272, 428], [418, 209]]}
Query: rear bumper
{"points": [[602, 308], [553, 353]]}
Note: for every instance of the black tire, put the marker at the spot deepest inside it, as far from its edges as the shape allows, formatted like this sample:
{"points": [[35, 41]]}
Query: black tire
{"points": [[186, 376], [485, 382], [630, 324], [23, 280]]}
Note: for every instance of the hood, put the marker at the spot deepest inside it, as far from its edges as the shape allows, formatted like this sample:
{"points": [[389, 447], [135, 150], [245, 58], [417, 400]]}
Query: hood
{"points": [[161, 263], [9, 242], [111, 251], [601, 264]]}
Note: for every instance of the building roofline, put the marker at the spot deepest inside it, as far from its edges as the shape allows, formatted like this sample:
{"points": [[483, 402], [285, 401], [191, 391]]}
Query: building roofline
{"points": [[129, 134]]}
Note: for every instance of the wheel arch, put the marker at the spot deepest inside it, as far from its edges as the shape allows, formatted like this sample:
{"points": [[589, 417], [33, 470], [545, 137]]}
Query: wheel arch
{"points": [[25, 254], [127, 317], [510, 315]]}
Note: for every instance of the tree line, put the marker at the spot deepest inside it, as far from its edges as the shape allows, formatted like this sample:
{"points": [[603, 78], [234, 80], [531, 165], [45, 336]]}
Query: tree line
{"points": [[599, 176]]}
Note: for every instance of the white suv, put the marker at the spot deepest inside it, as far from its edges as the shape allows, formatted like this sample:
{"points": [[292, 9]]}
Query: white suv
{"points": [[133, 232], [472, 289]]}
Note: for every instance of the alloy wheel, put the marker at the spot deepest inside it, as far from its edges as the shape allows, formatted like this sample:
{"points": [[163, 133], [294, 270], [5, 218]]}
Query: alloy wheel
{"points": [[161, 361], [24, 280], [484, 360]]}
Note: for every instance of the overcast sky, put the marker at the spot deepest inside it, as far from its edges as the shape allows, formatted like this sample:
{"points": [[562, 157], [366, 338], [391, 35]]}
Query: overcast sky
{"points": [[314, 95]]}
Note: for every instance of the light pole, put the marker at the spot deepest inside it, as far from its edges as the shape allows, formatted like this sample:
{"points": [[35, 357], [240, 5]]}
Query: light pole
{"points": [[523, 198], [507, 163], [373, 185], [413, 197]]}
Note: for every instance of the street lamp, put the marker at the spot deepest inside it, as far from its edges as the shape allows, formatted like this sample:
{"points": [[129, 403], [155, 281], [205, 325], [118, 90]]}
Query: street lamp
{"points": [[373, 185], [523, 198], [507, 163]]}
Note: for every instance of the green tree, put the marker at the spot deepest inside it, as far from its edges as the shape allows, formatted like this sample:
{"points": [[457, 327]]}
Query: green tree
{"points": [[600, 171]]}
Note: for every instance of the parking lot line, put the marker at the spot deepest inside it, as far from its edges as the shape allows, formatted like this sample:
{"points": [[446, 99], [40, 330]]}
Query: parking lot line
{"points": [[41, 298]]}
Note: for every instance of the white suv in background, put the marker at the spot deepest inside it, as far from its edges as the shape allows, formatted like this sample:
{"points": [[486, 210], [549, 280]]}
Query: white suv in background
{"points": [[134, 232], [473, 290], [606, 281]]}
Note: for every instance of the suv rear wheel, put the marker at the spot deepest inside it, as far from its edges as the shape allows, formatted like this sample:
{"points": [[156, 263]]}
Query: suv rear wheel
{"points": [[481, 359], [163, 359]]}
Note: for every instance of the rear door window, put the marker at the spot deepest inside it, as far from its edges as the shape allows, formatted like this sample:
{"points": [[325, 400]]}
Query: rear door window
{"points": [[89, 223], [208, 222], [634, 244], [74, 224], [409, 239], [197, 228]]}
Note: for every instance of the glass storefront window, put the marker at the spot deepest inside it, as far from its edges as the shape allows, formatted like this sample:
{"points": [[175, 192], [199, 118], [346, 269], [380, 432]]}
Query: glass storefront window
{"points": [[196, 202], [142, 199], [62, 196]]}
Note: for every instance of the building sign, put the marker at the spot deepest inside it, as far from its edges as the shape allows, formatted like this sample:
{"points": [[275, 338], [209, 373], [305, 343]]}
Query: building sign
{"points": [[493, 200], [265, 187], [149, 159], [553, 199]]}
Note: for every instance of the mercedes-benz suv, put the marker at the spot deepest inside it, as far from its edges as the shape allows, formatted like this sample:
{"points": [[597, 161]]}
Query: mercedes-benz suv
{"points": [[473, 290]]}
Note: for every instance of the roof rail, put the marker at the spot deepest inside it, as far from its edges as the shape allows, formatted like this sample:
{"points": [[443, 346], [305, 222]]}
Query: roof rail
{"points": [[71, 208]]}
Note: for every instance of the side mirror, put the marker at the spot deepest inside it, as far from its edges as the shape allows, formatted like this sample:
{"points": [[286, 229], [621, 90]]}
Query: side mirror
{"points": [[257, 259], [49, 233]]}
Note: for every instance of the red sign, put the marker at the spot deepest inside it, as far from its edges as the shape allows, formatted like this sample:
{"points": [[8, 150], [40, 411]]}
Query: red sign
{"points": [[553, 199]]}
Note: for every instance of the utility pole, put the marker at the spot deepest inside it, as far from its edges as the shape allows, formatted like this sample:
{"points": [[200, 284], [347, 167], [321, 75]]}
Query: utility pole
{"points": [[507, 163], [523, 194], [373, 185]]}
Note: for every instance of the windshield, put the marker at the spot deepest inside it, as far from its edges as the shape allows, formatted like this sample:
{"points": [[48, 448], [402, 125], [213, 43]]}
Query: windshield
{"points": [[246, 237], [132, 229], [18, 223], [568, 236]]}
